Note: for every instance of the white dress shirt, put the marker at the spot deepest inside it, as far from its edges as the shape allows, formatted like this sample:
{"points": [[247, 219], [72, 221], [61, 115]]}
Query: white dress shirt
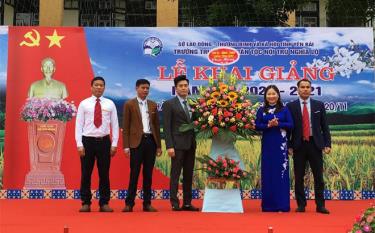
{"points": [[85, 120], [143, 108], [308, 110]]}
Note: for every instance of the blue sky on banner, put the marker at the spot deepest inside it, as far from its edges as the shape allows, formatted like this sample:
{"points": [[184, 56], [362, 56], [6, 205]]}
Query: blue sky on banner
{"points": [[3, 55], [117, 54]]}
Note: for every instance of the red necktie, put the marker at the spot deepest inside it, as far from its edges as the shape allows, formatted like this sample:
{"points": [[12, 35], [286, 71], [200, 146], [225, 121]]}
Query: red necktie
{"points": [[305, 122], [98, 114]]}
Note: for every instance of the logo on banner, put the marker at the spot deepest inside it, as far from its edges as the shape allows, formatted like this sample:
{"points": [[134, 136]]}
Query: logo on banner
{"points": [[31, 39], [223, 56], [152, 46]]}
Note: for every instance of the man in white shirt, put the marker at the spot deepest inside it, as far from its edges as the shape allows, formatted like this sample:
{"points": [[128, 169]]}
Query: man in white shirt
{"points": [[95, 116]]}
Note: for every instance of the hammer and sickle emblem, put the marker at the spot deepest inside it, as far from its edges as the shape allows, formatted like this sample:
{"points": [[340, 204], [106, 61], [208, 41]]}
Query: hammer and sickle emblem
{"points": [[32, 41]]}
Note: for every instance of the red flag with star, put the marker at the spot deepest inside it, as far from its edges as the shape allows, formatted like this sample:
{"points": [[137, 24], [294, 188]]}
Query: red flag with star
{"points": [[27, 47]]}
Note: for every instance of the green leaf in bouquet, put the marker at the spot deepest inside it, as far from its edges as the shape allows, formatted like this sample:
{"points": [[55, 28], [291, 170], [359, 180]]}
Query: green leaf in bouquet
{"points": [[227, 134], [192, 101], [186, 127], [204, 134]]}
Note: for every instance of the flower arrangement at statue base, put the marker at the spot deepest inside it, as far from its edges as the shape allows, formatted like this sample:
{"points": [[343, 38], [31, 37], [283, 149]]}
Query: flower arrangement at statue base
{"points": [[44, 109], [365, 223], [46, 120]]}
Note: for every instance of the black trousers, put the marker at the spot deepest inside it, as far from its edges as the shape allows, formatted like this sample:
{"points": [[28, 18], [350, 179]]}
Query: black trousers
{"points": [[144, 155], [308, 152], [184, 159], [99, 149]]}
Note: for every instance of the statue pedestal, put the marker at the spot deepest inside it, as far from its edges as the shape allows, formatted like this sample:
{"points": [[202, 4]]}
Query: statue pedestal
{"points": [[46, 140]]}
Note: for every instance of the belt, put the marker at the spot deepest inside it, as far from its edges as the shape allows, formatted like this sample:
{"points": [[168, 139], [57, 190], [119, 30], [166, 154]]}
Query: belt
{"points": [[147, 135], [310, 138], [97, 138]]}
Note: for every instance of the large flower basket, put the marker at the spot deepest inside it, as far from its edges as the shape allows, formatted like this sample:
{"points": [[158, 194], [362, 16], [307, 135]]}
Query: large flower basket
{"points": [[223, 111], [46, 119]]}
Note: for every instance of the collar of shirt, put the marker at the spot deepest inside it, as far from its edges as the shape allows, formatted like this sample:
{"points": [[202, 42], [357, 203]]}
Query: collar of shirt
{"points": [[94, 98], [182, 103], [302, 100], [140, 101], [181, 99]]}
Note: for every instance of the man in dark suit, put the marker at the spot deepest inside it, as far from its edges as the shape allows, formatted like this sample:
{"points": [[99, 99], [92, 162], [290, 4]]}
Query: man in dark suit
{"points": [[141, 136], [180, 145], [308, 140]]}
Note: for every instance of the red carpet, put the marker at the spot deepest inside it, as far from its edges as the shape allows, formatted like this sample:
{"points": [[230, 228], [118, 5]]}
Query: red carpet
{"points": [[50, 216]]}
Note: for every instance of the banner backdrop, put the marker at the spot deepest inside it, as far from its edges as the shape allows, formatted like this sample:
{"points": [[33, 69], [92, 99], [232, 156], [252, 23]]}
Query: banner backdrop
{"points": [[338, 61]]}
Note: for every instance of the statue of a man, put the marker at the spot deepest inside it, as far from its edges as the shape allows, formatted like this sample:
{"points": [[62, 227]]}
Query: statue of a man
{"points": [[48, 87]]}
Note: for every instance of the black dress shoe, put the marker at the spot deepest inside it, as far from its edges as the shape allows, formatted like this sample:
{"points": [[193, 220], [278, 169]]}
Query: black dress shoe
{"points": [[85, 208], [149, 208], [322, 210], [300, 209], [176, 208], [105, 208], [190, 208], [128, 208]]}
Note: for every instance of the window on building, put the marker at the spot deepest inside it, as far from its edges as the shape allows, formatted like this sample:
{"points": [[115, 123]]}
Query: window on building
{"points": [[1, 12], [309, 21], [150, 5], [191, 13], [307, 15], [71, 4], [309, 7], [141, 13], [117, 13], [26, 12]]}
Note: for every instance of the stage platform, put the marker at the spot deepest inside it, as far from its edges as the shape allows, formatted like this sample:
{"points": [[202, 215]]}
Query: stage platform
{"points": [[50, 216]]}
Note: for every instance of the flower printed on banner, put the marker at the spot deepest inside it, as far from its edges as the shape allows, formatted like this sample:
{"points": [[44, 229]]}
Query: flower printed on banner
{"points": [[345, 61], [44, 109]]}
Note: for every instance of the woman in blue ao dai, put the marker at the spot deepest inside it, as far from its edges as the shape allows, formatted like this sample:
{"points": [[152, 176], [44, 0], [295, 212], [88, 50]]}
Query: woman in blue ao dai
{"points": [[274, 119]]}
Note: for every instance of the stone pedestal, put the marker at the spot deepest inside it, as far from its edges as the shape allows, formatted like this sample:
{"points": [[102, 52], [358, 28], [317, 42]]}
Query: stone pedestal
{"points": [[46, 140]]}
